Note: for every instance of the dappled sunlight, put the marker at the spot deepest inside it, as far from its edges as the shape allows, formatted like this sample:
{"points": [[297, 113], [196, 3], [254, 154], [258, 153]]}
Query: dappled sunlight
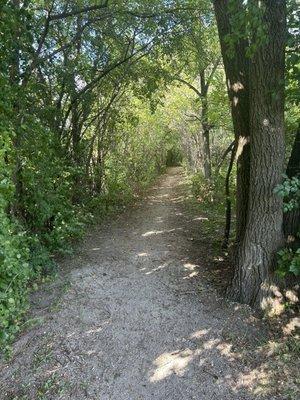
{"points": [[213, 357], [143, 254], [218, 259], [292, 326], [160, 267], [172, 363], [153, 233], [236, 86], [243, 141], [199, 334], [191, 275], [178, 199], [192, 269], [200, 219], [273, 302]]}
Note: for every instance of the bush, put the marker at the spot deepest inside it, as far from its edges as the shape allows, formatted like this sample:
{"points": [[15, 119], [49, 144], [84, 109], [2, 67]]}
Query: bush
{"points": [[14, 276], [289, 258]]}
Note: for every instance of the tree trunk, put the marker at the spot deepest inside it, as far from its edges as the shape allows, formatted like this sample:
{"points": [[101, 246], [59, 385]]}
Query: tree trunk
{"points": [[205, 128], [228, 202], [263, 237], [237, 77], [17, 207]]}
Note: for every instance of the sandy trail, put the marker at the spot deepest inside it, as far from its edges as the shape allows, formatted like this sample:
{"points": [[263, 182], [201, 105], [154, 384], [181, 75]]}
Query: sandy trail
{"points": [[132, 318]]}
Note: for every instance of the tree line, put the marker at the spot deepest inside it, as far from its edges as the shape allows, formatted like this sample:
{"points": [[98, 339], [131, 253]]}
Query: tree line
{"points": [[97, 97]]}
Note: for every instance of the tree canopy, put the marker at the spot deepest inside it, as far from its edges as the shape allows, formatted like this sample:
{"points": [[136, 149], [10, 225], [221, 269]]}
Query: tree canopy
{"points": [[97, 98]]}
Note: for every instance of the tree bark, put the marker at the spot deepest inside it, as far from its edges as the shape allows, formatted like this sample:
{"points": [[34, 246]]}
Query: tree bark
{"points": [[256, 257], [237, 77]]}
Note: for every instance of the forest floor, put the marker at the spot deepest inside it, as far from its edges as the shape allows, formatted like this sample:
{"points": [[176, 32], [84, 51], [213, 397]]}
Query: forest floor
{"points": [[135, 316]]}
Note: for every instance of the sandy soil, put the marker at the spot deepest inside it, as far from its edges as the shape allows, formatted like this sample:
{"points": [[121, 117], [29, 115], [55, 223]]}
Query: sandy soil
{"points": [[133, 317]]}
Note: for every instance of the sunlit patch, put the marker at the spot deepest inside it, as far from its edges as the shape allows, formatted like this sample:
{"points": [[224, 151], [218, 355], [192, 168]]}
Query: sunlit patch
{"points": [[190, 267], [292, 326], [210, 344], [201, 219], [191, 275], [96, 330], [225, 349], [171, 363], [156, 269], [199, 334], [152, 233], [292, 296], [242, 142], [266, 122], [177, 199], [219, 259], [273, 303], [237, 86], [257, 379]]}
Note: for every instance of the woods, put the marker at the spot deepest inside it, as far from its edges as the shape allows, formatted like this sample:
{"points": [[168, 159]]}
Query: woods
{"points": [[98, 98]]}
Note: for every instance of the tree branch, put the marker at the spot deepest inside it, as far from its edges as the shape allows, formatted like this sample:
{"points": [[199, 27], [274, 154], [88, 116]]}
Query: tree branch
{"points": [[199, 94], [67, 14]]}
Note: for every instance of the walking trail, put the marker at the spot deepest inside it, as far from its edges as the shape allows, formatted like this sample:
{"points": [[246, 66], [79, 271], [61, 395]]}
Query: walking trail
{"points": [[133, 317]]}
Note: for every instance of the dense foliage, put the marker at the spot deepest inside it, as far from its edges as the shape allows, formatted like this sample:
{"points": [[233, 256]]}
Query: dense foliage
{"points": [[97, 99]]}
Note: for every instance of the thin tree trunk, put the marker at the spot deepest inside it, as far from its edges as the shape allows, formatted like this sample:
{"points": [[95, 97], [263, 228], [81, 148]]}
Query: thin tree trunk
{"points": [[228, 201], [205, 128], [17, 207], [263, 237], [237, 77]]}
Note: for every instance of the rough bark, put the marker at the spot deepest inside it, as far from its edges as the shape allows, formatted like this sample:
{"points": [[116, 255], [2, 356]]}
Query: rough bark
{"points": [[237, 77], [263, 237]]}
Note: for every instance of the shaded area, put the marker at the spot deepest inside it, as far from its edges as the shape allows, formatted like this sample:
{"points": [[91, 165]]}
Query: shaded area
{"points": [[135, 317]]}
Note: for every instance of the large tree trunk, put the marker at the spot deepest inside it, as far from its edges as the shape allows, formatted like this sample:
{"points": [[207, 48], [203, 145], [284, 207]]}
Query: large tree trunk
{"points": [[263, 236], [237, 77]]}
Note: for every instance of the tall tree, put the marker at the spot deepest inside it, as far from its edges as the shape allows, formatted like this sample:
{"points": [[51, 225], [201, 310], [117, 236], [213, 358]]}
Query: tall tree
{"points": [[256, 255], [236, 66]]}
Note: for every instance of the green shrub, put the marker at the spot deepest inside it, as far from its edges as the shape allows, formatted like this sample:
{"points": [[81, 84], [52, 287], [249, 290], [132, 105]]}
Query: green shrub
{"points": [[289, 258], [14, 276], [288, 262]]}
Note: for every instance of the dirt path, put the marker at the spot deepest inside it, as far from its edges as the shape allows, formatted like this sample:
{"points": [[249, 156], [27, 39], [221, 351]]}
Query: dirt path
{"points": [[133, 318]]}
